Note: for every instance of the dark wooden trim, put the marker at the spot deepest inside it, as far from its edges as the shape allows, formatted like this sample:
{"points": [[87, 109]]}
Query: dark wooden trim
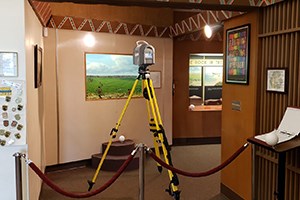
{"points": [[229, 193], [196, 141], [69, 165], [162, 4]]}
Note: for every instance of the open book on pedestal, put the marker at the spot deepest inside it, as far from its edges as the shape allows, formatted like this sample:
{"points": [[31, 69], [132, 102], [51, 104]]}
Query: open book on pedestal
{"points": [[289, 126]]}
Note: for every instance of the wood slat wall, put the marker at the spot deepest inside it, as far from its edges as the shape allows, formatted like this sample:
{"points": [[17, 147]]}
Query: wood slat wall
{"points": [[293, 175], [279, 41], [266, 181]]}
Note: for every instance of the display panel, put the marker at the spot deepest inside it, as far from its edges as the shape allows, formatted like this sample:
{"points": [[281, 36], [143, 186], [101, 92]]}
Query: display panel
{"points": [[12, 119], [205, 80]]}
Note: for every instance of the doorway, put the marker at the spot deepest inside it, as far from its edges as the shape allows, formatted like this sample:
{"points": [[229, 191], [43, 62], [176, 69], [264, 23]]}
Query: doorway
{"points": [[190, 127]]}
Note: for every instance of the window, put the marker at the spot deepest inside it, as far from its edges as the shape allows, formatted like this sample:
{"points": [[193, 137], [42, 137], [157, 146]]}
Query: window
{"points": [[205, 79]]}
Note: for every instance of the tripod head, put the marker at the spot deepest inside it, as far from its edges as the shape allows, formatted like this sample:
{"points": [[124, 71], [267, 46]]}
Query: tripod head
{"points": [[143, 56]]}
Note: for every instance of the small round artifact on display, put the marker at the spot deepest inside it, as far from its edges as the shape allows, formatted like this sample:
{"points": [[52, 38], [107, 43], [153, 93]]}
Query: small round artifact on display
{"points": [[122, 138]]}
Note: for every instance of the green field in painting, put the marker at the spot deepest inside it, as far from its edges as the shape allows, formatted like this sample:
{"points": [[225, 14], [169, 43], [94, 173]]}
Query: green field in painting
{"points": [[110, 87], [210, 80], [195, 79]]}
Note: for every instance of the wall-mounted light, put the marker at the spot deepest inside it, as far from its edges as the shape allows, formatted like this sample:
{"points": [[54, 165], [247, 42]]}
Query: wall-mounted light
{"points": [[207, 31], [210, 29], [89, 40]]}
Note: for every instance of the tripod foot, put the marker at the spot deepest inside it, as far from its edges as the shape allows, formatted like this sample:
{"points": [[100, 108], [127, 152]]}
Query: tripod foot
{"points": [[174, 194], [91, 184]]}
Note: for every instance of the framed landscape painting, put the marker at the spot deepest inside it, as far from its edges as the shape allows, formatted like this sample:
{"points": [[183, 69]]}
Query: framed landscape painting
{"points": [[110, 76]]}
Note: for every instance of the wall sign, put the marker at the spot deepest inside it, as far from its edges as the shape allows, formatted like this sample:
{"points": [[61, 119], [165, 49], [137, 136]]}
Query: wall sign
{"points": [[156, 78], [8, 64], [236, 105]]}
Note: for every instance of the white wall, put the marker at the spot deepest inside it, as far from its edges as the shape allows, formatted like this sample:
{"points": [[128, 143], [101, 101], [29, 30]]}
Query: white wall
{"points": [[35, 105], [50, 100], [12, 31], [12, 40], [85, 125]]}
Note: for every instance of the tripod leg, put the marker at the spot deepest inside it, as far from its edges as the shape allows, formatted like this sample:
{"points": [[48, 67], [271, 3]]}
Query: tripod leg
{"points": [[173, 189], [113, 134], [156, 140]]}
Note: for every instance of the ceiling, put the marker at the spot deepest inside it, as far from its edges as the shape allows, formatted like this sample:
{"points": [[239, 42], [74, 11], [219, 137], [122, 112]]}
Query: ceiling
{"points": [[202, 12], [229, 5]]}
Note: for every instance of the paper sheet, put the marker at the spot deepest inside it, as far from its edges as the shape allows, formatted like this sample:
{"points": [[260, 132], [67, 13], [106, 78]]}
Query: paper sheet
{"points": [[282, 136], [289, 126]]}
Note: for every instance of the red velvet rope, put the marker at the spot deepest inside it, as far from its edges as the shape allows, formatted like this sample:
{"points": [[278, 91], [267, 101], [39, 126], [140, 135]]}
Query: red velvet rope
{"points": [[201, 174], [84, 194]]}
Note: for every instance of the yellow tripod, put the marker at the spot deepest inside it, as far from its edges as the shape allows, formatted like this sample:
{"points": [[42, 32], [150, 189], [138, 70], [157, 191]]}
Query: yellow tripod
{"points": [[156, 127]]}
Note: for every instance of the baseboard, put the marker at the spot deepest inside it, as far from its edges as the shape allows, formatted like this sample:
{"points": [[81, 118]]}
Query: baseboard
{"points": [[229, 193], [196, 141], [69, 165]]}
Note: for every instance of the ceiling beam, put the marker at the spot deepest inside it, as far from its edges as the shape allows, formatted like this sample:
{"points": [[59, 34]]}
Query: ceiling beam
{"points": [[160, 4]]}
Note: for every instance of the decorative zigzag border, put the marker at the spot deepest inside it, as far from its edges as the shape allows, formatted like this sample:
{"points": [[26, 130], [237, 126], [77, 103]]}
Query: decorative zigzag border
{"points": [[185, 27], [114, 27]]}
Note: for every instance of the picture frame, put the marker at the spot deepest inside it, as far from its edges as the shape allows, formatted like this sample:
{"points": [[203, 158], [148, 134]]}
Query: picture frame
{"points": [[110, 76], [8, 64], [38, 66], [156, 79], [277, 80], [237, 55]]}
